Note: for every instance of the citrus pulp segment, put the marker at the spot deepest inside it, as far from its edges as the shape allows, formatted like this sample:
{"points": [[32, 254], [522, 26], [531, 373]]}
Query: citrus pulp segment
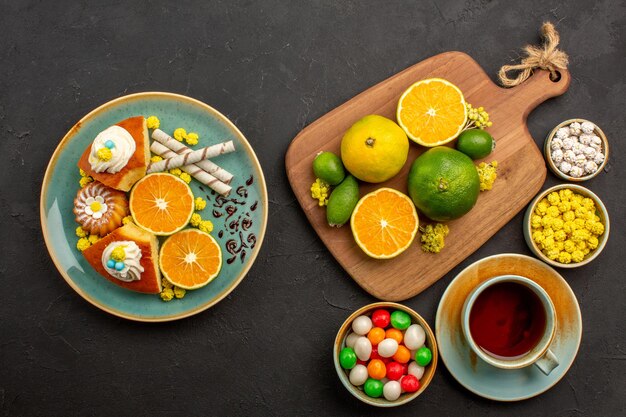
{"points": [[432, 112], [161, 203], [384, 223], [190, 259]]}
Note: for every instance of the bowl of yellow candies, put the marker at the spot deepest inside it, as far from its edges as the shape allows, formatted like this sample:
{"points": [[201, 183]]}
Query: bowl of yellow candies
{"points": [[566, 226]]}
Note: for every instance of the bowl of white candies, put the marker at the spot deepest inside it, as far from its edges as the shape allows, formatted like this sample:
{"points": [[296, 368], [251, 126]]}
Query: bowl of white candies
{"points": [[576, 150]]}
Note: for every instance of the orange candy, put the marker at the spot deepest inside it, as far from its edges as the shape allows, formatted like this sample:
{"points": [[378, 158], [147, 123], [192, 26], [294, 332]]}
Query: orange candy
{"points": [[377, 369], [376, 335], [394, 334], [402, 355]]}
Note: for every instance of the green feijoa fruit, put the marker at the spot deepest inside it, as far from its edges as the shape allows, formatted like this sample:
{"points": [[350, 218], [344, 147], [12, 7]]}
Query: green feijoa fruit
{"points": [[328, 167], [475, 143], [342, 202]]}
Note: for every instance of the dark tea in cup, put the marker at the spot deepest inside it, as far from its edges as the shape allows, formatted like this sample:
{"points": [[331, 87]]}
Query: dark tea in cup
{"points": [[507, 320]]}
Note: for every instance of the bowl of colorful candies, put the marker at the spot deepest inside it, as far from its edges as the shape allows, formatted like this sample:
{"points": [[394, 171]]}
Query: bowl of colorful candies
{"points": [[385, 354], [566, 226]]}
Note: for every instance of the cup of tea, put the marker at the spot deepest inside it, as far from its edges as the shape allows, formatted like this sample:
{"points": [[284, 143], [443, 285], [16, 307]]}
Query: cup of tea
{"points": [[509, 321]]}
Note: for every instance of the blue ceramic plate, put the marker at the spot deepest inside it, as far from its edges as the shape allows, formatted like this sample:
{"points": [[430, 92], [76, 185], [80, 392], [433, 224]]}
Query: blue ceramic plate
{"points": [[60, 186], [482, 378]]}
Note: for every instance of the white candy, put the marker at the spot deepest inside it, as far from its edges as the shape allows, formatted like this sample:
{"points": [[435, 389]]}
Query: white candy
{"points": [[387, 348], [414, 337], [589, 152], [358, 375], [587, 127], [569, 142], [596, 140], [596, 146], [574, 129], [392, 390], [362, 325], [599, 158], [565, 167], [415, 369], [562, 133], [556, 143], [580, 160], [578, 148], [576, 172], [590, 167], [363, 348], [557, 156], [569, 156], [585, 139], [351, 339]]}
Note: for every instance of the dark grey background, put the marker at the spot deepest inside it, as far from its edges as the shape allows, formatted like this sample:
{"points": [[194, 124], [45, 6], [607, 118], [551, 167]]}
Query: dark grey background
{"points": [[272, 67]]}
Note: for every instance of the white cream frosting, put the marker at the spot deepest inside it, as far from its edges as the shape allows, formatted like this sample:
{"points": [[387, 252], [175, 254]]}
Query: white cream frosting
{"points": [[132, 267], [120, 154]]}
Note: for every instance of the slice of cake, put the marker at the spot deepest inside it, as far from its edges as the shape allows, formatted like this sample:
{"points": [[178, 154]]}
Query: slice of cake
{"points": [[128, 257], [119, 155]]}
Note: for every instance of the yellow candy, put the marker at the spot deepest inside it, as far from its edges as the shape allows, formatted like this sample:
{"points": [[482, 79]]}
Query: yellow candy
{"points": [[155, 158], [546, 221], [569, 246], [535, 221], [185, 177], [554, 198], [180, 134], [80, 232], [557, 224], [553, 254], [598, 228], [206, 226], [564, 206], [192, 138], [167, 294], [560, 236], [82, 244], [569, 216], [564, 258], [179, 292], [592, 242], [578, 256]]}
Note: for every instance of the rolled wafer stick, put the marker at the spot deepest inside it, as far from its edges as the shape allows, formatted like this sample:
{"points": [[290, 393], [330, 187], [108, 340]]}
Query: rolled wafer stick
{"points": [[191, 157], [178, 147], [193, 170]]}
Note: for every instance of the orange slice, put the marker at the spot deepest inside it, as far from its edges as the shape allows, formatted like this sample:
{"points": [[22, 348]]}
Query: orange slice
{"points": [[190, 259], [161, 203], [384, 223], [432, 112]]}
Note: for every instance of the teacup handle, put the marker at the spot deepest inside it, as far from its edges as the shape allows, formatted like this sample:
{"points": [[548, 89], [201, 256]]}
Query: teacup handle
{"points": [[547, 362]]}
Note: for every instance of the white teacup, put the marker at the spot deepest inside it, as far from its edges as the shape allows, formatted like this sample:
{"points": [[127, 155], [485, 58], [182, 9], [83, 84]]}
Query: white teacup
{"points": [[540, 355]]}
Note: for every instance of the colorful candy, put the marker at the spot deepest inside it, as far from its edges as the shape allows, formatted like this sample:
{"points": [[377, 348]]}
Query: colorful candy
{"points": [[387, 348], [423, 356], [415, 369], [362, 325], [347, 358], [409, 383], [394, 334], [381, 318], [400, 320], [402, 355], [378, 354], [392, 390], [414, 337], [358, 375], [373, 388], [363, 348], [376, 369], [394, 371], [376, 335]]}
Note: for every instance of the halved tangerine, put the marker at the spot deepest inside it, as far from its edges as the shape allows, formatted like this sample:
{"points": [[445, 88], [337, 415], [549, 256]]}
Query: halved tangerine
{"points": [[190, 259], [161, 203], [432, 112], [384, 223]]}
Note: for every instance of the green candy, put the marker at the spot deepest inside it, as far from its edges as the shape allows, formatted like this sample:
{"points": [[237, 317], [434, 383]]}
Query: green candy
{"points": [[423, 356], [373, 388], [328, 167], [347, 358], [400, 320]]}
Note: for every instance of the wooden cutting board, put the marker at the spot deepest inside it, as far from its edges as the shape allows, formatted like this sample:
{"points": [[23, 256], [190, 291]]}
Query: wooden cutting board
{"points": [[521, 171]]}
